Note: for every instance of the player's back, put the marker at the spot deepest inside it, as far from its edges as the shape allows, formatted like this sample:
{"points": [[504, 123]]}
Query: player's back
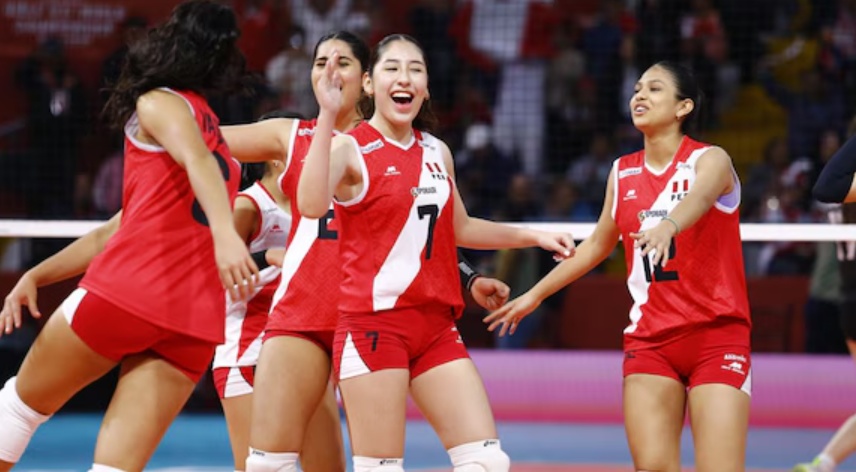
{"points": [[160, 264]]}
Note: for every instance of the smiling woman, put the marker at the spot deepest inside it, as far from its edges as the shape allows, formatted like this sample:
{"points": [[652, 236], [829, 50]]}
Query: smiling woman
{"points": [[400, 219], [689, 325]]}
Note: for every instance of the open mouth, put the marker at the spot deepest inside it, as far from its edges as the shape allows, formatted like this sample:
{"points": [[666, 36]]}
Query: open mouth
{"points": [[402, 98]]}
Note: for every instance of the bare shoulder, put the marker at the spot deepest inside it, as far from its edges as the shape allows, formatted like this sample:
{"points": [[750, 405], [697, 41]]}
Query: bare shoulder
{"points": [[244, 202], [155, 104], [715, 156]]}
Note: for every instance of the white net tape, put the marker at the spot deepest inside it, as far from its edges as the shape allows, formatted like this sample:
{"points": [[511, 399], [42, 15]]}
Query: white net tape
{"points": [[749, 231]]}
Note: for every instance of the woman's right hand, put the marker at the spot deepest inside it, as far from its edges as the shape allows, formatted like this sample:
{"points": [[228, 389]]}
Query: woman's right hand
{"points": [[328, 91], [238, 271], [25, 292]]}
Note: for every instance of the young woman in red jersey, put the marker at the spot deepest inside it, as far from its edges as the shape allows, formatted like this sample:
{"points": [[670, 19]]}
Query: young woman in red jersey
{"points": [[400, 218], [675, 206], [135, 307], [297, 349]]}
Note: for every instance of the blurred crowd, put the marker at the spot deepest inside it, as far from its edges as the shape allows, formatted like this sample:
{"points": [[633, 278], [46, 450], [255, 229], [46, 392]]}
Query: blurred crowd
{"points": [[531, 94]]}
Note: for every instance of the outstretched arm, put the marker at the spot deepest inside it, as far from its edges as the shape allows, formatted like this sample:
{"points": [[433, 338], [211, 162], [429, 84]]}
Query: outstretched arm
{"points": [[589, 254], [714, 178], [71, 261], [262, 141]]}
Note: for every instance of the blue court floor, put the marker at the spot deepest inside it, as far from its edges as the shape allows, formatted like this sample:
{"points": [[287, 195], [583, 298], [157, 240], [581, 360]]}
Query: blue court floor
{"points": [[198, 443]]}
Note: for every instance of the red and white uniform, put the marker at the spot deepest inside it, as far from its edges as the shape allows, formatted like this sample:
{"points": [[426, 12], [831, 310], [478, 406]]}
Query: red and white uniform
{"points": [[246, 319], [398, 255], [160, 266], [307, 298], [703, 287]]}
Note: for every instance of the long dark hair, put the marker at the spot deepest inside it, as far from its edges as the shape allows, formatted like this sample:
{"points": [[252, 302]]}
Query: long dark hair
{"points": [[426, 120], [358, 47], [687, 89], [195, 49]]}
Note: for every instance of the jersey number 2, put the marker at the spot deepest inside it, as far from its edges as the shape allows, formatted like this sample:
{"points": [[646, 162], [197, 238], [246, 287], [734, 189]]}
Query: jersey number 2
{"points": [[660, 275], [432, 211], [198, 213], [324, 232]]}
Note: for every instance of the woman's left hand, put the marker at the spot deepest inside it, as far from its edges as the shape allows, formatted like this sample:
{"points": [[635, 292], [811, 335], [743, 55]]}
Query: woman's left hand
{"points": [[657, 240]]}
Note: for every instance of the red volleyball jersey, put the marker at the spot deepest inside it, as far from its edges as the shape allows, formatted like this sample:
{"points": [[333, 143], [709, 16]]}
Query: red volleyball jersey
{"points": [[160, 263], [308, 294], [704, 280], [398, 237]]}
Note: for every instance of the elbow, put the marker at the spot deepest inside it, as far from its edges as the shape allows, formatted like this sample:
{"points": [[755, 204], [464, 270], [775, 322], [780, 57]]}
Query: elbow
{"points": [[823, 192]]}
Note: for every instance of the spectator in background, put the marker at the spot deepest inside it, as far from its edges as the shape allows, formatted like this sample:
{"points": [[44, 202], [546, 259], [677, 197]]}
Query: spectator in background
{"points": [[261, 23], [705, 46], [509, 43], [55, 121], [107, 188], [429, 22], [659, 33], [319, 17], [815, 106], [563, 203], [589, 172], [602, 47], [762, 176], [130, 30], [483, 172], [565, 87], [286, 75]]}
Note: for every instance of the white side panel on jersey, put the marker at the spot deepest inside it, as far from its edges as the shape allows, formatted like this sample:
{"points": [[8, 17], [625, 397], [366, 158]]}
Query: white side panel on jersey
{"points": [[363, 170], [404, 261], [295, 126], [666, 201], [226, 354], [615, 188], [304, 238]]}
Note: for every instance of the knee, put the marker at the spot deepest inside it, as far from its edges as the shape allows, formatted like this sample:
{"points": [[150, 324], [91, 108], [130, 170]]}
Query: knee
{"points": [[260, 461], [18, 423], [480, 456], [374, 464]]}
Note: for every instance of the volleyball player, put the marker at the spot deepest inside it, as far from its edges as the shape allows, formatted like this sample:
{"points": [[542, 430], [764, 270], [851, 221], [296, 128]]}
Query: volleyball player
{"points": [[262, 218], [836, 185], [136, 307], [399, 220], [675, 204], [294, 405]]}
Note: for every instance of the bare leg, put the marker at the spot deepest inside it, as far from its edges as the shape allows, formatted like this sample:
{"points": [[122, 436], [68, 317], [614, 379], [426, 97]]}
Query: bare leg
{"points": [[653, 419], [719, 415]]}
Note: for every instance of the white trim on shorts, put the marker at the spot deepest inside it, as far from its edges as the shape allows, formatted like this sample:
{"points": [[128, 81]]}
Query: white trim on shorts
{"points": [[236, 384], [71, 302], [351, 364]]}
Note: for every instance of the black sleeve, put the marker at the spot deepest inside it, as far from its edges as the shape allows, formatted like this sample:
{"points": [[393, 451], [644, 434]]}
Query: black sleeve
{"points": [[468, 273], [835, 180], [260, 259]]}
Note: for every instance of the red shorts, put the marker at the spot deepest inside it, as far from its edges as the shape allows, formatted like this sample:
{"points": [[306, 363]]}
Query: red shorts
{"points": [[115, 334], [695, 359], [417, 339], [323, 339], [234, 381]]}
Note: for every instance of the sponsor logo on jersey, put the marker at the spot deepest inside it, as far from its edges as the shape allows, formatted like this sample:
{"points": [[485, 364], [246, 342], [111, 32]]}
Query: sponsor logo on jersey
{"points": [[372, 146], [628, 172], [735, 357], [425, 144], [416, 191], [391, 170], [630, 195], [644, 214], [435, 170], [306, 132], [735, 366], [683, 165]]}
